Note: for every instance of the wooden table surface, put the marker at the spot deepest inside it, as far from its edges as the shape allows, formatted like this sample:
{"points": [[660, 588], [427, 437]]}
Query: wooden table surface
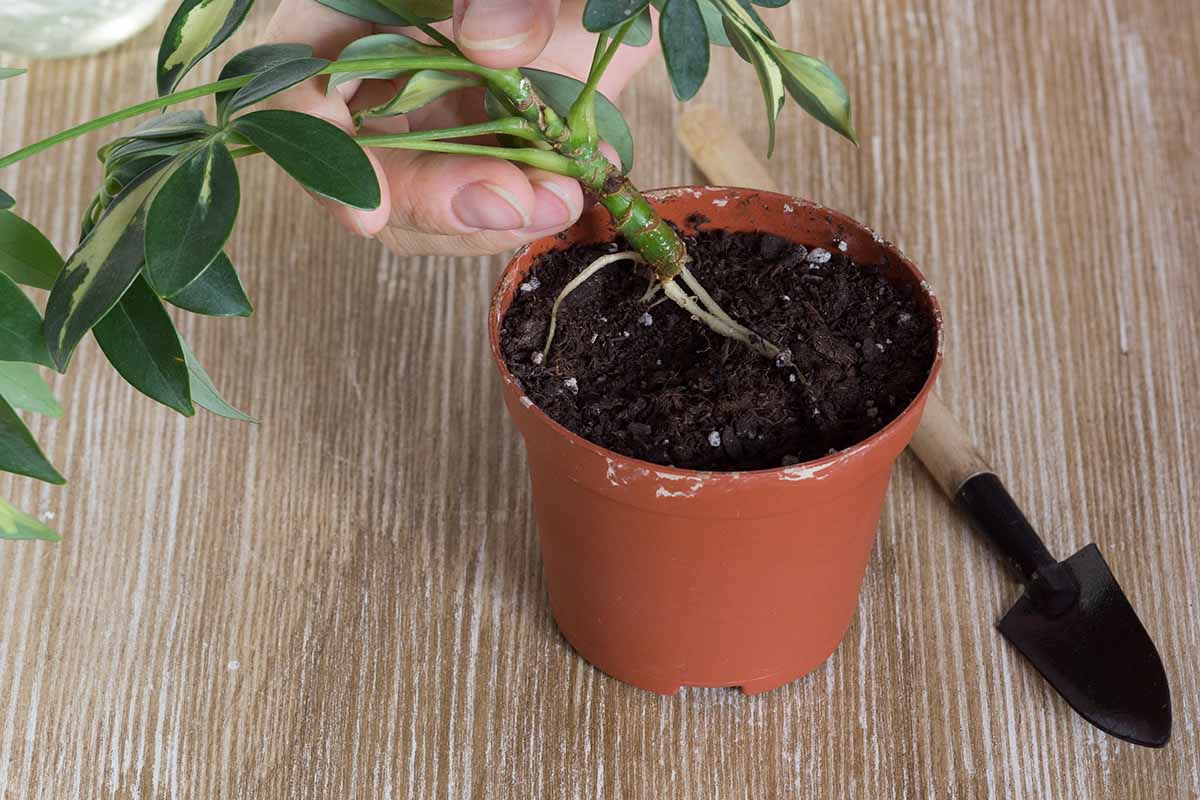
{"points": [[347, 600]]}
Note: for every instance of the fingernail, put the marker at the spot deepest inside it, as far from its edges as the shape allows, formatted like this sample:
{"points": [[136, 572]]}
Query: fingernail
{"points": [[496, 24], [489, 207], [553, 206]]}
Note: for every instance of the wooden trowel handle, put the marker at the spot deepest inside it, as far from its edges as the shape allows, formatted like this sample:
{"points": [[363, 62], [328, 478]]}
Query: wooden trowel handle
{"points": [[725, 158]]}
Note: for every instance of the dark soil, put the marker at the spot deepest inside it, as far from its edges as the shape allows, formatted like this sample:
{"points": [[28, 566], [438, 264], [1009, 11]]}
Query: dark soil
{"points": [[666, 389]]}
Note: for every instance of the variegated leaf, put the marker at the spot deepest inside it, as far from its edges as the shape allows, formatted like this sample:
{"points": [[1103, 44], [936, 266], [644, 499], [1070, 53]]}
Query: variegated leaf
{"points": [[816, 89], [101, 268], [422, 89], [270, 83], [381, 45], [19, 453], [205, 394], [23, 386], [16, 524], [254, 61], [197, 28], [190, 218], [770, 79]]}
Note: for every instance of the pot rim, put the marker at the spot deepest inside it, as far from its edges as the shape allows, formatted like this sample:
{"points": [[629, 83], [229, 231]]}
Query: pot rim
{"points": [[800, 470]]}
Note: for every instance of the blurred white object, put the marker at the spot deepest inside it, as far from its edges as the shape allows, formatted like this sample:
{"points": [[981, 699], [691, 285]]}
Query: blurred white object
{"points": [[63, 28]]}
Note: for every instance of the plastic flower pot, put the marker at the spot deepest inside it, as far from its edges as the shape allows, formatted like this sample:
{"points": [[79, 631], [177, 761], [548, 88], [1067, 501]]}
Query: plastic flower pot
{"points": [[666, 577]]}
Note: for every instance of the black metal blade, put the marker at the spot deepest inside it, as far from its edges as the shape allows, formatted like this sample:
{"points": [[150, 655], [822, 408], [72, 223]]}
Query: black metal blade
{"points": [[1097, 655]]}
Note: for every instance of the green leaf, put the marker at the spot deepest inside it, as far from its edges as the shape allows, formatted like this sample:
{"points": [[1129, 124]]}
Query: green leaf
{"points": [[23, 386], [11, 72], [100, 269], [19, 453], [316, 153], [381, 45], [15, 524], [422, 89], [218, 292], [197, 28], [816, 89], [205, 394], [368, 10], [26, 255], [640, 32], [751, 48], [560, 91], [601, 15], [771, 3], [684, 40], [275, 80], [6, 200], [21, 336], [421, 10], [190, 218], [256, 60], [139, 340]]}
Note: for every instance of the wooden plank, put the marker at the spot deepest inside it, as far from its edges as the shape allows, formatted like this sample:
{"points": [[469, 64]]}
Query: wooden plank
{"points": [[347, 600]]}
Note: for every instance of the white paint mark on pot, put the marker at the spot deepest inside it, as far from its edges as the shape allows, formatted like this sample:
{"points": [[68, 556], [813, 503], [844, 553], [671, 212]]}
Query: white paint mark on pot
{"points": [[611, 472], [663, 491], [721, 202], [802, 472], [525, 401], [788, 208]]}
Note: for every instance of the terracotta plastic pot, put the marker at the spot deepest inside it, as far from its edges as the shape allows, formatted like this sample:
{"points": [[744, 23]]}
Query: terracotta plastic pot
{"points": [[667, 577]]}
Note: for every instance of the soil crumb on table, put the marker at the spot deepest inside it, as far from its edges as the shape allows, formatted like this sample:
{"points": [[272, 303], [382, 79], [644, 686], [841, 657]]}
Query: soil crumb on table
{"points": [[652, 383]]}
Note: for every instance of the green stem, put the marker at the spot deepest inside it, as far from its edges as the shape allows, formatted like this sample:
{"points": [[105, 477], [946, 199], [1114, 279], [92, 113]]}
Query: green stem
{"points": [[542, 159], [638, 222], [581, 119], [503, 80]]}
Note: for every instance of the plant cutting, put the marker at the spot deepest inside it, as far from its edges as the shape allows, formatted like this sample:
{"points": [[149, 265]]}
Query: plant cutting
{"points": [[683, 508]]}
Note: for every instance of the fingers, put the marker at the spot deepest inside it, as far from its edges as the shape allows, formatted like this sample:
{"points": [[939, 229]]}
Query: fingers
{"points": [[489, 214], [503, 33], [328, 32]]}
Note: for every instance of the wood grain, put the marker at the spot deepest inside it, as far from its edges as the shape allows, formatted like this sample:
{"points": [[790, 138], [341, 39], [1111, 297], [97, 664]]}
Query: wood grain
{"points": [[346, 601]]}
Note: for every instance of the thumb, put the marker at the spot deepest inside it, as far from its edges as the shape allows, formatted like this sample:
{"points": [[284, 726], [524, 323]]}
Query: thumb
{"points": [[503, 34]]}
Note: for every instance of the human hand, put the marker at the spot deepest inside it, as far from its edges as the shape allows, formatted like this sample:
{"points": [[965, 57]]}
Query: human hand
{"points": [[439, 204]]}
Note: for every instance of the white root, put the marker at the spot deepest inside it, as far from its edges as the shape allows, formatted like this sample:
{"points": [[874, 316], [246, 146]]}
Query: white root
{"points": [[721, 324], [706, 310], [591, 269]]}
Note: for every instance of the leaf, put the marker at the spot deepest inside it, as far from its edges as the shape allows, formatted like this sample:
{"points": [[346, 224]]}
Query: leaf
{"points": [[26, 255], [714, 24], [172, 123], [19, 453], [816, 89], [255, 60], [769, 77], [190, 218], [6, 200], [771, 3], [381, 45], [139, 340], [100, 269], [205, 394], [11, 72], [16, 524], [23, 386], [218, 292], [316, 153], [684, 40], [275, 80], [640, 32], [368, 10], [422, 89], [560, 91], [21, 336], [601, 15], [421, 10], [197, 28]]}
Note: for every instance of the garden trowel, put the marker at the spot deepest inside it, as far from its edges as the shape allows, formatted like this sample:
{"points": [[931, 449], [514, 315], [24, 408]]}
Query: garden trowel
{"points": [[1072, 622]]}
